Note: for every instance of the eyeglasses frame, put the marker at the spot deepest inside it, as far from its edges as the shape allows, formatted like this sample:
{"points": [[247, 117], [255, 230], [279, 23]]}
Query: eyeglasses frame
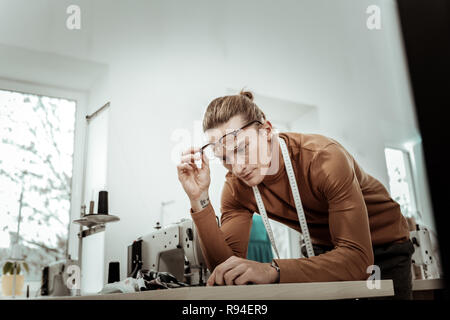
{"points": [[234, 133]]}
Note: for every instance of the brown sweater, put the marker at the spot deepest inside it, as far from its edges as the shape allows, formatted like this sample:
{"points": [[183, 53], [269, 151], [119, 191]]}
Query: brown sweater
{"points": [[345, 208]]}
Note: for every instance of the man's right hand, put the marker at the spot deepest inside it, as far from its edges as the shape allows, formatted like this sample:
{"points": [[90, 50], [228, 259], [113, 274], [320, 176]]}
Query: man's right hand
{"points": [[195, 181]]}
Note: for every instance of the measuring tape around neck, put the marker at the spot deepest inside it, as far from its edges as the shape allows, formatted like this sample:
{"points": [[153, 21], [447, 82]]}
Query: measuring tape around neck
{"points": [[297, 201]]}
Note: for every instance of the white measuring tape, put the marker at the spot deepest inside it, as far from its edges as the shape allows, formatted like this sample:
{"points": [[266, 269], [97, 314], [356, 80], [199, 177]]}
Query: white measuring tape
{"points": [[297, 200]]}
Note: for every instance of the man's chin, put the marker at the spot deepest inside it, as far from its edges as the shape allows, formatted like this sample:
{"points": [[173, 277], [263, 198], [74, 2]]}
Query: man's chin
{"points": [[254, 181]]}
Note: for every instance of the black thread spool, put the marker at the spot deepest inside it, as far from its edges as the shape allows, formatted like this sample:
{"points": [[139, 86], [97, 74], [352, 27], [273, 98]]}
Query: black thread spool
{"points": [[114, 272], [102, 202]]}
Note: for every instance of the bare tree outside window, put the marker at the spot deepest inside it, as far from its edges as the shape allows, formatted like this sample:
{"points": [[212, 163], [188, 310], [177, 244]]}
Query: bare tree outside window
{"points": [[36, 160]]}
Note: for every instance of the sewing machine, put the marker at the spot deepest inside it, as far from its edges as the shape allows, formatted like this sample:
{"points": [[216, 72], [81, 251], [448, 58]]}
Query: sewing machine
{"points": [[425, 258], [54, 278], [174, 248]]}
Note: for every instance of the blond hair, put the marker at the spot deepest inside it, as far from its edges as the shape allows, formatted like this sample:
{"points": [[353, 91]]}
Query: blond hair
{"points": [[222, 109]]}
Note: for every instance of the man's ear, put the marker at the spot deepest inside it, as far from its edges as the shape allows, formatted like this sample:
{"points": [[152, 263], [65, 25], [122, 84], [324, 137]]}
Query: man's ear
{"points": [[267, 126]]}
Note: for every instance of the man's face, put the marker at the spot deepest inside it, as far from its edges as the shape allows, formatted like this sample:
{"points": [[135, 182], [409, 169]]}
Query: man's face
{"points": [[248, 153]]}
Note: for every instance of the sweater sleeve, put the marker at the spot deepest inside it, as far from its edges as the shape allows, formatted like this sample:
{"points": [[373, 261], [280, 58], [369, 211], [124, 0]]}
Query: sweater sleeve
{"points": [[333, 177], [231, 238]]}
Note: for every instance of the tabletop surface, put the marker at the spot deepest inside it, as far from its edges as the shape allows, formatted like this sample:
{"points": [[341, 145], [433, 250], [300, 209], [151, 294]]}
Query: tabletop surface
{"points": [[284, 291], [428, 284]]}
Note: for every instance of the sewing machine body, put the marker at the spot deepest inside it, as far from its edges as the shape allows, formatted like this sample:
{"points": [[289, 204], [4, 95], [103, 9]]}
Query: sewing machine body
{"points": [[175, 249], [54, 278], [425, 258]]}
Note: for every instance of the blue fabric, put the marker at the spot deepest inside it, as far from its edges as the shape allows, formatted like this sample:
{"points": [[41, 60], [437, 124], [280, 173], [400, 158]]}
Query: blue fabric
{"points": [[259, 247]]}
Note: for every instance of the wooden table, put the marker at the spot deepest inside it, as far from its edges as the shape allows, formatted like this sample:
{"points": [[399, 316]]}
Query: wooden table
{"points": [[285, 291]]}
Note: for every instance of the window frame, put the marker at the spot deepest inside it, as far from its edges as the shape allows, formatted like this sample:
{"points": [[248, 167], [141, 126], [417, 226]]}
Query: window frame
{"points": [[78, 161]]}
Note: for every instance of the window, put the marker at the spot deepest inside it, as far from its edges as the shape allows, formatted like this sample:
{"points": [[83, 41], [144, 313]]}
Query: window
{"points": [[36, 162], [401, 183]]}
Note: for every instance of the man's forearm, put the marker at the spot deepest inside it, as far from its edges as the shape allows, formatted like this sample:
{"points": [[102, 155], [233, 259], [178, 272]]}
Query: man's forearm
{"points": [[212, 241]]}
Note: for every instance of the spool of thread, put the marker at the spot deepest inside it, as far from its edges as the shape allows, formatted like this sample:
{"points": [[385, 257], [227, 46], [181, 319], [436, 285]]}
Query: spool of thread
{"points": [[114, 272], [103, 202]]}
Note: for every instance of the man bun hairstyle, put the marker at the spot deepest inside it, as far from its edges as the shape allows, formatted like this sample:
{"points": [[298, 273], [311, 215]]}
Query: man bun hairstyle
{"points": [[247, 94], [222, 109]]}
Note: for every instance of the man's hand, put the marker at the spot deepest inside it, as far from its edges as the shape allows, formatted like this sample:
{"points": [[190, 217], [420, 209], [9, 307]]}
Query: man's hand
{"points": [[242, 271], [195, 181]]}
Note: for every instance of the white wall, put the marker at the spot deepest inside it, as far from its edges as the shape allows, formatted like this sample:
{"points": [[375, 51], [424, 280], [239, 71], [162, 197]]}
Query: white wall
{"points": [[93, 259], [167, 59]]}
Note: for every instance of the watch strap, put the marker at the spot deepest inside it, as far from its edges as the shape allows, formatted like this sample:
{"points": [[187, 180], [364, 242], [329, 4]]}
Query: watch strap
{"points": [[274, 265]]}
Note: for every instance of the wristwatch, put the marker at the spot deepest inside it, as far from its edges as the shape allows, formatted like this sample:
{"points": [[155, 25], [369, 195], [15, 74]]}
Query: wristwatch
{"points": [[274, 265]]}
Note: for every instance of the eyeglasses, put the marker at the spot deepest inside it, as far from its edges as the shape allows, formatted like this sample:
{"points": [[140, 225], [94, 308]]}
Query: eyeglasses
{"points": [[227, 139]]}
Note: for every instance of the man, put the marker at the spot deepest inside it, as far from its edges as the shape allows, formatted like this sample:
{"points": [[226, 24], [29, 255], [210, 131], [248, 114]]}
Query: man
{"points": [[352, 220]]}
